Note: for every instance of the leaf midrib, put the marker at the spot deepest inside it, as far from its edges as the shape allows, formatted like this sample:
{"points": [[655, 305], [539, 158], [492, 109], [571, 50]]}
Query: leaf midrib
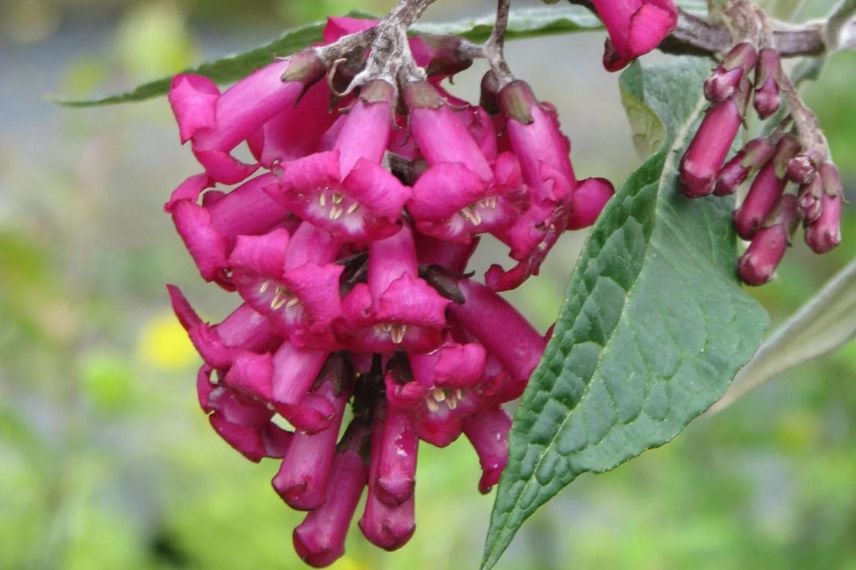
{"points": [[669, 169]]}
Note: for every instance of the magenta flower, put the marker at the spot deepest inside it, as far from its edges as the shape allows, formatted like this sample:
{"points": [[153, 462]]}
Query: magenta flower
{"points": [[386, 526], [292, 281], [302, 480], [395, 478], [215, 124], [395, 310], [210, 230], [244, 423], [488, 432], [346, 191], [635, 27], [443, 391], [320, 539]]}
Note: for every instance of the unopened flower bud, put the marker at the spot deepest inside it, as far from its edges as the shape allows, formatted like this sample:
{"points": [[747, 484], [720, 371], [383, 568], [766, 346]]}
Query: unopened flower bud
{"points": [[755, 154], [810, 200], [726, 78], [758, 264], [824, 233], [801, 169], [320, 538], [767, 98], [765, 191], [707, 151]]}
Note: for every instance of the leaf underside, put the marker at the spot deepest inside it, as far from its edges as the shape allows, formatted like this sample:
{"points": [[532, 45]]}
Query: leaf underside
{"points": [[655, 324], [523, 23]]}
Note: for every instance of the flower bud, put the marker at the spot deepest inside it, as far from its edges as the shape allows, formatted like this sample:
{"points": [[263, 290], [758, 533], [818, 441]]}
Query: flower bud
{"points": [[765, 190], [758, 264], [726, 78], [823, 234], [755, 154], [801, 169], [810, 200], [767, 82], [320, 539], [707, 151]]}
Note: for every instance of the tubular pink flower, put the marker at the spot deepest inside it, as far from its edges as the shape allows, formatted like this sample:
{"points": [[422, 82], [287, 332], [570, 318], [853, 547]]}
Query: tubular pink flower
{"points": [[823, 234], [296, 130], [765, 190], [395, 479], [292, 282], [635, 27], [502, 330], [488, 433], [345, 190], [209, 231], [242, 422], [220, 344], [303, 477], [215, 124], [439, 133], [758, 264], [544, 152], [396, 310], [294, 372], [320, 539], [451, 202], [389, 527], [444, 391], [707, 151], [590, 198]]}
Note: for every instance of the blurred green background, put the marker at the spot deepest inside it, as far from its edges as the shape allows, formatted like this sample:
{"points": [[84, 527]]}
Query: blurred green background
{"points": [[105, 459]]}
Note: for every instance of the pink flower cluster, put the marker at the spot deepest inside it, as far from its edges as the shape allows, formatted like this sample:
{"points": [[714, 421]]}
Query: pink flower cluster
{"points": [[770, 214], [347, 239]]}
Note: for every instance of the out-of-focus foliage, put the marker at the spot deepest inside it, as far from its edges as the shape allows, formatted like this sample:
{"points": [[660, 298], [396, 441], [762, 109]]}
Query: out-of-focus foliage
{"points": [[106, 461]]}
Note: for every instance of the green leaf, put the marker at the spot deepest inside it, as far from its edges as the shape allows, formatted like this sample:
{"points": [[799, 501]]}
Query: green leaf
{"points": [[654, 327], [223, 70], [523, 23]]}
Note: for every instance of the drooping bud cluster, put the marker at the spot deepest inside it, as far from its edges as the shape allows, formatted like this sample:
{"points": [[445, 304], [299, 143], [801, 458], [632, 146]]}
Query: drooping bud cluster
{"points": [[635, 27], [347, 240], [770, 213]]}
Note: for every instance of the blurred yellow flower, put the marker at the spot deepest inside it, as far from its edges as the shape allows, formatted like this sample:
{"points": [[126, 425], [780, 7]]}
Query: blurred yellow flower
{"points": [[163, 343], [348, 563]]}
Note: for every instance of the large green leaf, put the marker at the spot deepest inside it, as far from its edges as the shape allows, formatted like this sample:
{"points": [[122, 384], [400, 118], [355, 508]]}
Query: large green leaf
{"points": [[523, 23], [654, 327]]}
